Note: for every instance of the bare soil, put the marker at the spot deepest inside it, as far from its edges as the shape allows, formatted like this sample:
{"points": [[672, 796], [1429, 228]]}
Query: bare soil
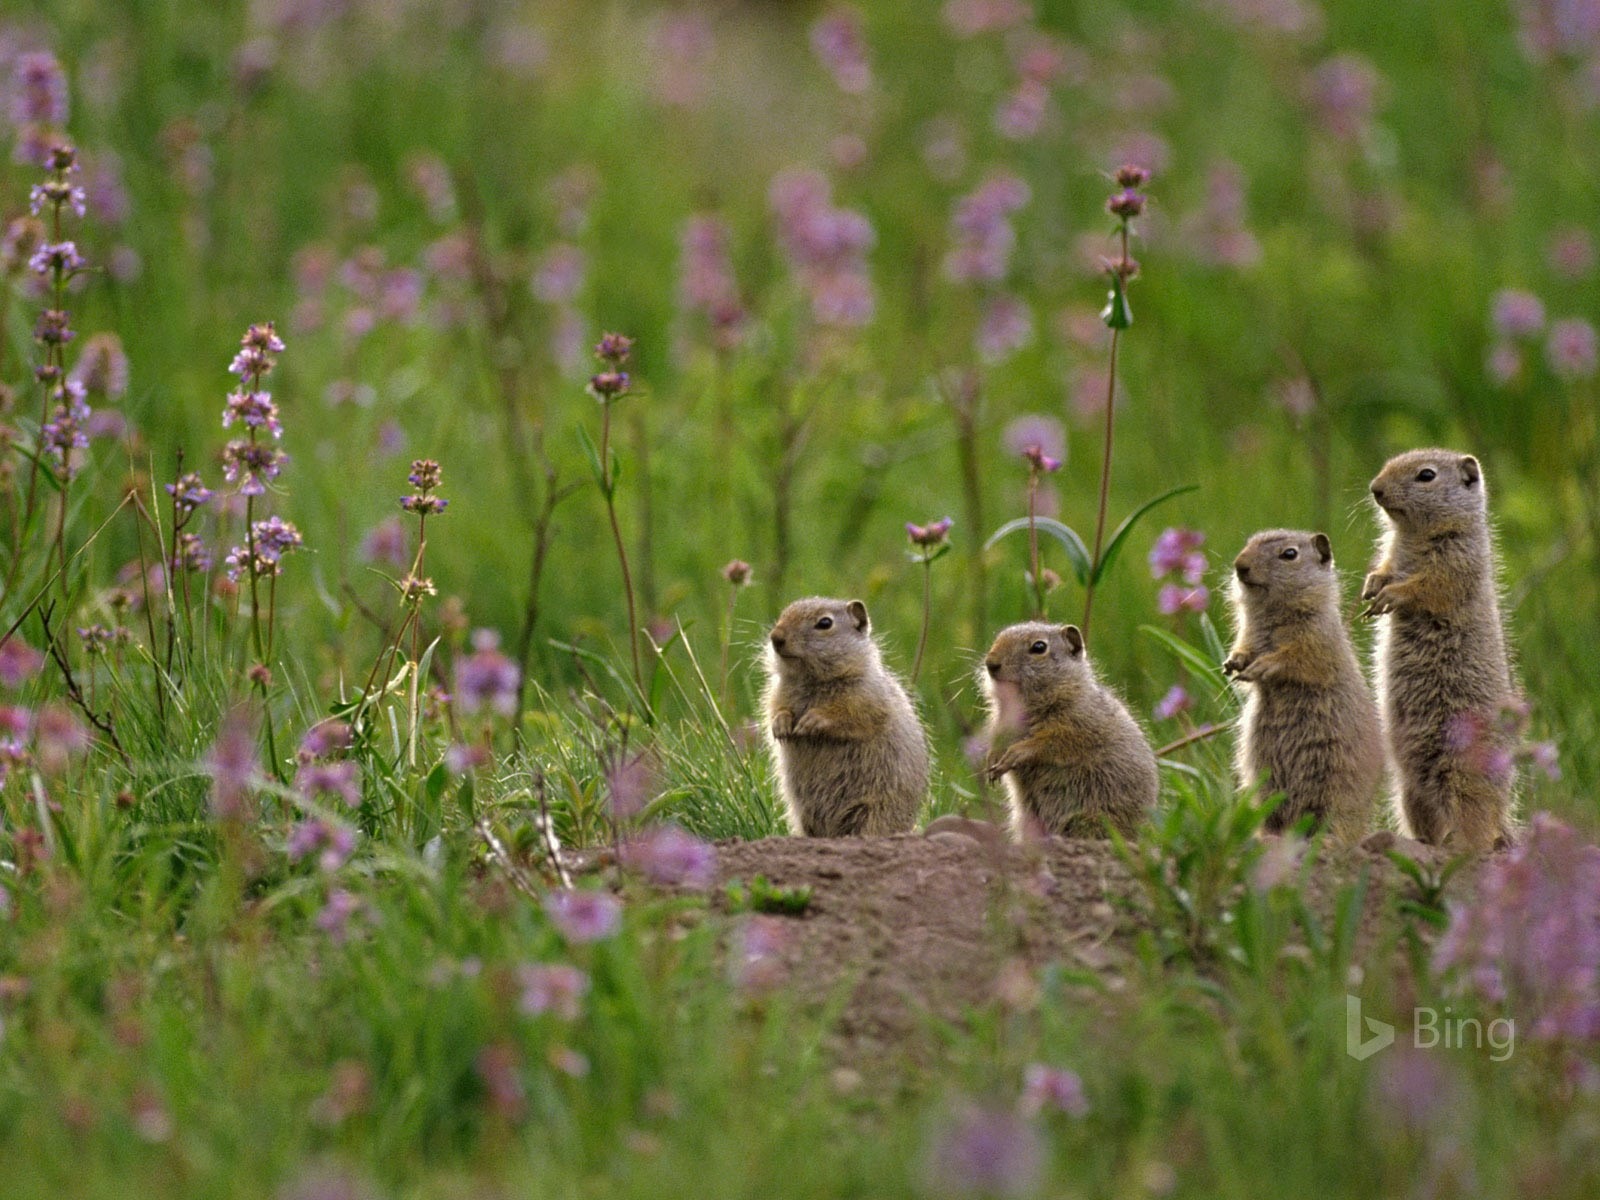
{"points": [[903, 929]]}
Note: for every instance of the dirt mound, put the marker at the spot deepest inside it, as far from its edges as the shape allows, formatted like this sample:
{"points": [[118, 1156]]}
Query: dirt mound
{"points": [[906, 928]]}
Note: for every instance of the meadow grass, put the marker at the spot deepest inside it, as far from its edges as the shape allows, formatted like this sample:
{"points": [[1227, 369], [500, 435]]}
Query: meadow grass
{"points": [[244, 953]]}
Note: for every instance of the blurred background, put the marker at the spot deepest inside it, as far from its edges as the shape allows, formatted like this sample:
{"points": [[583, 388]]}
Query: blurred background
{"points": [[859, 248]]}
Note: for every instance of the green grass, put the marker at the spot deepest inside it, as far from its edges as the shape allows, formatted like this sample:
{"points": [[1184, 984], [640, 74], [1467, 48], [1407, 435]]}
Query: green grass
{"points": [[173, 1020]]}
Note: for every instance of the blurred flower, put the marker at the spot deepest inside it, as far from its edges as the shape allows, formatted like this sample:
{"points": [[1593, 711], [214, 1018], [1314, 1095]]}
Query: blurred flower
{"points": [[984, 1152], [1039, 461], [755, 960], [552, 988], [1046, 1087], [1571, 251], [982, 237], [706, 283], [1529, 936], [1177, 700], [1005, 327], [325, 739], [839, 44], [39, 91], [931, 535], [1173, 599], [1021, 113], [1515, 313], [19, 662], [334, 918], [388, 542], [1572, 348], [969, 18], [58, 738], [1344, 94], [333, 843], [486, 678], [630, 783], [102, 366], [1413, 1092], [1177, 549], [586, 916], [1277, 863], [681, 59], [669, 856], [189, 553], [497, 1068], [1034, 430], [461, 757], [558, 275], [1503, 363], [737, 572], [341, 779], [827, 247], [234, 767]]}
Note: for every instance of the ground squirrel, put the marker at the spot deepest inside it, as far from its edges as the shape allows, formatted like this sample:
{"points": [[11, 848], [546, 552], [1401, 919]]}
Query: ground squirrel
{"points": [[1073, 759], [1310, 727], [1442, 672], [851, 754]]}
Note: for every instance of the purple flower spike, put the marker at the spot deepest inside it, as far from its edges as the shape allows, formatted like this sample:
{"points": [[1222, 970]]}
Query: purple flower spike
{"points": [[585, 916]]}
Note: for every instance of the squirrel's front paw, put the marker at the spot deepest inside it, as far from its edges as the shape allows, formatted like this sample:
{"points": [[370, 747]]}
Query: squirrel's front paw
{"points": [[812, 724], [1374, 584], [1380, 602], [1005, 763], [1235, 664], [783, 724]]}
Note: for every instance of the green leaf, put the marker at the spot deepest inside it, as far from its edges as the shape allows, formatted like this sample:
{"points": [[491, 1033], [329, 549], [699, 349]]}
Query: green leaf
{"points": [[1077, 552], [1114, 546], [1196, 661], [1116, 314], [592, 453]]}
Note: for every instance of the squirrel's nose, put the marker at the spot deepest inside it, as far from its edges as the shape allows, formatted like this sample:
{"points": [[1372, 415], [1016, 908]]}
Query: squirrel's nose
{"points": [[1241, 568], [993, 668], [778, 640], [1377, 493]]}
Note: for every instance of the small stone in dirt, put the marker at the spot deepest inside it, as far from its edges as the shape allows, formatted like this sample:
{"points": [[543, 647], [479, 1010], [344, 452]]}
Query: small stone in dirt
{"points": [[845, 1080], [979, 831]]}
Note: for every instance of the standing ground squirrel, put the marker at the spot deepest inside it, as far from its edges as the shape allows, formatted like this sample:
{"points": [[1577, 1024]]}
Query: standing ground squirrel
{"points": [[1442, 671], [851, 754], [1310, 727], [1073, 759]]}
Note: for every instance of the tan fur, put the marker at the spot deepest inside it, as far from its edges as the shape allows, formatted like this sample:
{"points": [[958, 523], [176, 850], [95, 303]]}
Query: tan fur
{"points": [[1310, 727], [1441, 654], [1074, 760], [851, 755]]}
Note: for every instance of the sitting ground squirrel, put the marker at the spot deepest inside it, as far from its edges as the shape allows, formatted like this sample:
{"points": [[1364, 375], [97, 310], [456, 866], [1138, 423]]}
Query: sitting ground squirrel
{"points": [[1310, 727], [851, 754], [1442, 670], [1074, 760]]}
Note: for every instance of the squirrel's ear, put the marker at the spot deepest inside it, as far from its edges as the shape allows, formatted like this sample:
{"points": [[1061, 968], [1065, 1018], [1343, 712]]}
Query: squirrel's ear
{"points": [[1323, 547], [1470, 471], [858, 614], [1073, 636]]}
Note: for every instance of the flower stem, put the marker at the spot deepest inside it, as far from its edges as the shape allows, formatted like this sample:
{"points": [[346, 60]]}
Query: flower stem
{"points": [[609, 488], [927, 615], [1105, 460], [1033, 544]]}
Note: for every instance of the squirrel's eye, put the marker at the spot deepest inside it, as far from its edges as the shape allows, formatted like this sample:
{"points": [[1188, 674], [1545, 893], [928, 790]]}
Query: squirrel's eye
{"points": [[1290, 554], [1427, 475], [1038, 648], [825, 623]]}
